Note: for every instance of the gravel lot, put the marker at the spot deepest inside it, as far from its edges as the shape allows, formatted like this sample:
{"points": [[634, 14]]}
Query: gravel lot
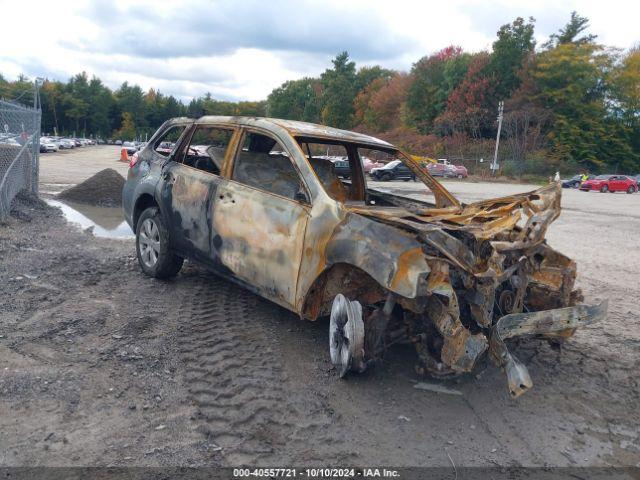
{"points": [[104, 366]]}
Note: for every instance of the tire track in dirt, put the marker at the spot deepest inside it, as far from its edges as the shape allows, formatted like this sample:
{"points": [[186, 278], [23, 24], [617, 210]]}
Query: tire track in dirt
{"points": [[228, 342]]}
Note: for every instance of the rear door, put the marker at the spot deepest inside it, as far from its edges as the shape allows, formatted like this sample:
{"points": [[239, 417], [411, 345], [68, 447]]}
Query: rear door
{"points": [[189, 181], [616, 184], [259, 219]]}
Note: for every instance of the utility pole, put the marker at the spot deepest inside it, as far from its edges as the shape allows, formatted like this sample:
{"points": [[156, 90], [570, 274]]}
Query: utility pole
{"points": [[494, 165]]}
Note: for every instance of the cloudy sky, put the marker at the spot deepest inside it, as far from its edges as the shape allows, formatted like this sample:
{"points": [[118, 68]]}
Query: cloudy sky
{"points": [[242, 49]]}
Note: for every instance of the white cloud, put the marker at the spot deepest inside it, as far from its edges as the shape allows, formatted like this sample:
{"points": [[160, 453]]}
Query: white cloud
{"points": [[242, 50]]}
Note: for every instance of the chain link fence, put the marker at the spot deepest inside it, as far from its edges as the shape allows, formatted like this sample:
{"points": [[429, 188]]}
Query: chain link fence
{"points": [[19, 152]]}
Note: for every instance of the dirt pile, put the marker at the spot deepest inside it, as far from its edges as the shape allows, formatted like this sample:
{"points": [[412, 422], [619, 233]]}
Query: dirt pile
{"points": [[104, 188], [26, 205]]}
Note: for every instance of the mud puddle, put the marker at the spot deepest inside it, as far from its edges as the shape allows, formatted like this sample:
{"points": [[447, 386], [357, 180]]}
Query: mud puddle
{"points": [[107, 222]]}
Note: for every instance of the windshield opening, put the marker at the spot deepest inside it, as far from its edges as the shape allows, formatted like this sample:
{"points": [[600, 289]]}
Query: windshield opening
{"points": [[351, 172]]}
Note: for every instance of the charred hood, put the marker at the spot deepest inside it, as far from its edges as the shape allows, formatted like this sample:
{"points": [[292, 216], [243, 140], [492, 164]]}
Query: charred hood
{"points": [[471, 235]]}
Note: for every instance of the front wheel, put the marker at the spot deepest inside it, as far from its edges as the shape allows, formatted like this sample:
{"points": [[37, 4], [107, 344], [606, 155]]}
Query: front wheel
{"points": [[631, 189], [346, 335], [604, 189], [153, 246]]}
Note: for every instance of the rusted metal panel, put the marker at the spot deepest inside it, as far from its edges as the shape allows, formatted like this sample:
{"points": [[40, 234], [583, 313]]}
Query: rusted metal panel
{"points": [[394, 259]]}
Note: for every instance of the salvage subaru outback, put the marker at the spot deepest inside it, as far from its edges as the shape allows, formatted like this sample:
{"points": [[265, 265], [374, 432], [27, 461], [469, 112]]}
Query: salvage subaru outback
{"points": [[258, 201]]}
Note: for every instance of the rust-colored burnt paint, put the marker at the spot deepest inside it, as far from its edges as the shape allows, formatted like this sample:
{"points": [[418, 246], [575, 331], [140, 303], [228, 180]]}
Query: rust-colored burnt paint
{"points": [[410, 265], [261, 239]]}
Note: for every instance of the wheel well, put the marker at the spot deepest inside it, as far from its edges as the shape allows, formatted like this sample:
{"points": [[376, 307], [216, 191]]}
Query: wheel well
{"points": [[144, 201], [353, 282]]}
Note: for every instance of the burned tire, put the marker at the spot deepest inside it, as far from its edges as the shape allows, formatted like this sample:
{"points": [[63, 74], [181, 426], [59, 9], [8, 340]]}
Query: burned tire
{"points": [[346, 335], [153, 246]]}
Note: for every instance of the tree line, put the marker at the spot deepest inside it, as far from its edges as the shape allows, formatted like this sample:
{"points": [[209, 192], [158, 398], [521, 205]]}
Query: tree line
{"points": [[569, 104]]}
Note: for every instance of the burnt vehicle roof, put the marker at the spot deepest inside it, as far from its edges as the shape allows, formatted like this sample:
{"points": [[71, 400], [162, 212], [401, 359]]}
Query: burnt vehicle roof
{"points": [[294, 127]]}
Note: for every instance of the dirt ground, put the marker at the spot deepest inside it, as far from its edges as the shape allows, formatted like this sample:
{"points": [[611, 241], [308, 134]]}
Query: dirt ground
{"points": [[101, 365]]}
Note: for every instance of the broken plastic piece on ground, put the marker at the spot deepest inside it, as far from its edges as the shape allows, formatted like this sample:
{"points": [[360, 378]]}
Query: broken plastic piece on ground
{"points": [[432, 387]]}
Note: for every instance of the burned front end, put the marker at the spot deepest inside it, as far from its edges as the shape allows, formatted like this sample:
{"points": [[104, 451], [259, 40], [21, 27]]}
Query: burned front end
{"points": [[490, 276]]}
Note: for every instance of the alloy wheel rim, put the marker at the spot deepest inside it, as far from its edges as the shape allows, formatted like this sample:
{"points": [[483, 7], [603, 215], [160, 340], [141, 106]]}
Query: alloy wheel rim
{"points": [[149, 241]]}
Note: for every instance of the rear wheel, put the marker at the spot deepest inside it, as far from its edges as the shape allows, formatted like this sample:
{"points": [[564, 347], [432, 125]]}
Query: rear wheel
{"points": [[386, 177], [604, 189], [153, 246]]}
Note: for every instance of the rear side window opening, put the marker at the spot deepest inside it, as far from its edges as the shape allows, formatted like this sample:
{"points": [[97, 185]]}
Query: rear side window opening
{"points": [[207, 148], [263, 163], [167, 142]]}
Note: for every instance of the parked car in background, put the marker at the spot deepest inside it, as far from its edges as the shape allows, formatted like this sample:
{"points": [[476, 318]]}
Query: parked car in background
{"points": [[369, 164], [48, 145], [118, 142], [395, 170], [130, 147], [575, 181], [65, 143], [611, 183], [165, 147], [444, 168], [341, 167], [458, 171], [9, 140]]}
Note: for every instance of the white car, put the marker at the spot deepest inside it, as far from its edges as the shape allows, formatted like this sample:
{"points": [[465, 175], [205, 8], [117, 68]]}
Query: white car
{"points": [[66, 143], [48, 145]]}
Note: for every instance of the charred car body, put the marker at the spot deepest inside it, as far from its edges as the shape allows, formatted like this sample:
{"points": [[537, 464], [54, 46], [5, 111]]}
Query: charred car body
{"points": [[257, 201]]}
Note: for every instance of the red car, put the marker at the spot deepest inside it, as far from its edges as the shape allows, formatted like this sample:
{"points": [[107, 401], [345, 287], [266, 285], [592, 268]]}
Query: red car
{"points": [[370, 164], [610, 183], [447, 170]]}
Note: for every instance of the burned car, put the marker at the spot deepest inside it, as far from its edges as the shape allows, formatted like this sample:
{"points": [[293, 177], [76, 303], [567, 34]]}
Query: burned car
{"points": [[257, 201]]}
